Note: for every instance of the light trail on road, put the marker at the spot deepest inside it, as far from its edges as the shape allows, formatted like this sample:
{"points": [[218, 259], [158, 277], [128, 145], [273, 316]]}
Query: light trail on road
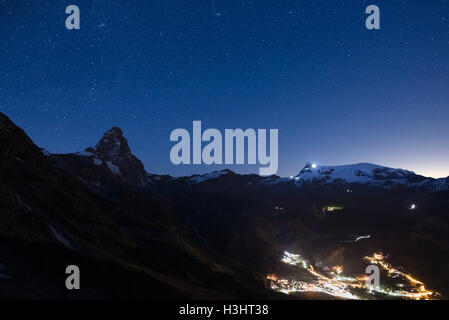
{"points": [[338, 285]]}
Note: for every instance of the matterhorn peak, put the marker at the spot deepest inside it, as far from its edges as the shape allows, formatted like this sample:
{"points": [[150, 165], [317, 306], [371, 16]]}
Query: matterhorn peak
{"points": [[113, 145], [114, 132]]}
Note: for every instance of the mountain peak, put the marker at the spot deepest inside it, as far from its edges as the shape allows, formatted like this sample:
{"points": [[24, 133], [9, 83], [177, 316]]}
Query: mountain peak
{"points": [[365, 173], [15, 144], [113, 145], [114, 150], [109, 163], [114, 132]]}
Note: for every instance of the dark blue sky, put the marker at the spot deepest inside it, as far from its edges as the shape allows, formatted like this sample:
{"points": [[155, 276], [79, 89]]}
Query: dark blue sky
{"points": [[337, 92]]}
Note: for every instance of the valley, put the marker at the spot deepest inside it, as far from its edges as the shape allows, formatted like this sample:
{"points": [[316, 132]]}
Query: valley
{"points": [[220, 235], [336, 283]]}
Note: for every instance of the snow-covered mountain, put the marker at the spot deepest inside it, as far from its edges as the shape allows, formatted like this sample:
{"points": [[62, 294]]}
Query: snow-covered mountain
{"points": [[367, 173], [208, 176], [109, 165]]}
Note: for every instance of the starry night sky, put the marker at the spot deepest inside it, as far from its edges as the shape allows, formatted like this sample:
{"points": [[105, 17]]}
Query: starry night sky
{"points": [[337, 92]]}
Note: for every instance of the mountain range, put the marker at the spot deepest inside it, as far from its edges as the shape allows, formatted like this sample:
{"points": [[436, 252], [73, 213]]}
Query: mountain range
{"points": [[214, 235], [111, 165]]}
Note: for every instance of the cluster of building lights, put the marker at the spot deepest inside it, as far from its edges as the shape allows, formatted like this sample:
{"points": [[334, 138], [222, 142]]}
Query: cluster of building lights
{"points": [[418, 291], [339, 285]]}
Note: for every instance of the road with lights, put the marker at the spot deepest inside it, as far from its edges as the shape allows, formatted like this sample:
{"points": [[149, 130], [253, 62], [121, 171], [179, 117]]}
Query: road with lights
{"points": [[335, 283]]}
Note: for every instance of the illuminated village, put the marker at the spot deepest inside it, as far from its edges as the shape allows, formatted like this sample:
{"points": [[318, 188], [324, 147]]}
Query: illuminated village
{"points": [[335, 283]]}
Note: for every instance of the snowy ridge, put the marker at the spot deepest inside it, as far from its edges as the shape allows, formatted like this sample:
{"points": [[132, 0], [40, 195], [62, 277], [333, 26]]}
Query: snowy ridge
{"points": [[208, 176], [367, 173], [113, 156]]}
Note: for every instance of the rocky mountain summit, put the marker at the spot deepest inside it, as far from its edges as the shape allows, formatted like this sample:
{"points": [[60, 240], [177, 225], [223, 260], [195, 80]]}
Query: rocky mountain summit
{"points": [[109, 166]]}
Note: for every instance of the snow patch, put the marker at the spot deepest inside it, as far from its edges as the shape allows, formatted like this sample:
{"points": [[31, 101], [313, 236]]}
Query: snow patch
{"points": [[84, 154], [208, 176], [23, 204], [113, 168], [45, 152], [98, 162], [61, 238]]}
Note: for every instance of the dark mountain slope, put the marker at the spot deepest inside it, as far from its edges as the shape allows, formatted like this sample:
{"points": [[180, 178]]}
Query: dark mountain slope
{"points": [[215, 235], [46, 212], [39, 202]]}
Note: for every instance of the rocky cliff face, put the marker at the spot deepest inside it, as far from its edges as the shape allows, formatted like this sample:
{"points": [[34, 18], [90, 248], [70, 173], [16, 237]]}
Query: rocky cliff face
{"points": [[108, 167], [113, 149]]}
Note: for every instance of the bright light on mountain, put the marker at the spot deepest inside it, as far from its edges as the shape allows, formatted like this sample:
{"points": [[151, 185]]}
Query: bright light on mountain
{"points": [[313, 165], [412, 206]]}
